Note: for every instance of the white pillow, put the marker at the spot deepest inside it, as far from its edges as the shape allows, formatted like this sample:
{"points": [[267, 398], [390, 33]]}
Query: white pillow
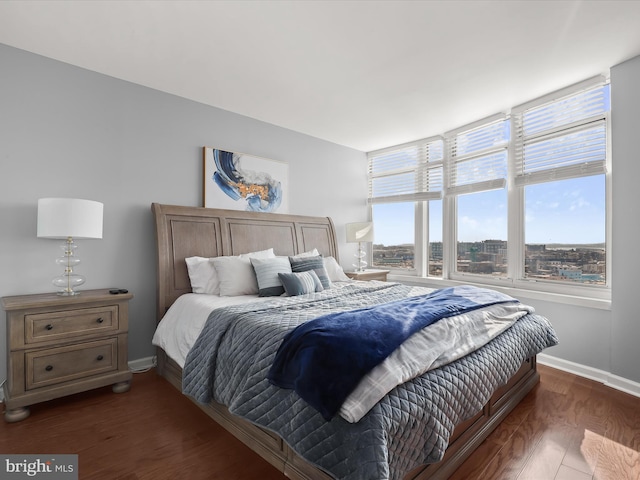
{"points": [[334, 270], [202, 275], [310, 253], [236, 275], [261, 254]]}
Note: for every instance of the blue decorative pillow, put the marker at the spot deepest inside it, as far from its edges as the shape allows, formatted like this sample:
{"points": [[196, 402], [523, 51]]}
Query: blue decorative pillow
{"points": [[300, 283], [305, 264], [267, 270]]}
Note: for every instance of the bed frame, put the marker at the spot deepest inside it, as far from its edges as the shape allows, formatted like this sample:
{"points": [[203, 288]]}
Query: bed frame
{"points": [[193, 231]]}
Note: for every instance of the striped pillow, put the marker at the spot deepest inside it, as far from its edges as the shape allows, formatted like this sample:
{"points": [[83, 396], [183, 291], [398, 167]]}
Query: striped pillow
{"points": [[300, 283], [267, 270], [304, 264]]}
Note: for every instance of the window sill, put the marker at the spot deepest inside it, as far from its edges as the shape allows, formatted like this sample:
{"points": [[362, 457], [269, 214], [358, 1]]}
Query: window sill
{"points": [[514, 291]]}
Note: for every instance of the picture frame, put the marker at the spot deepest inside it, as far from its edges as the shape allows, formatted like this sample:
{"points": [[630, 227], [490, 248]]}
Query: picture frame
{"points": [[240, 181]]}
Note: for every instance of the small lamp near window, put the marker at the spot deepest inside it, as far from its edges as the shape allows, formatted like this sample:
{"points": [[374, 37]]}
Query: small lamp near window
{"points": [[69, 218], [359, 233]]}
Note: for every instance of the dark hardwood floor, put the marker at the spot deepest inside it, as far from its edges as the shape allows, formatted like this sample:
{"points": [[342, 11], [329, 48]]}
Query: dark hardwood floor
{"points": [[568, 428], [151, 432]]}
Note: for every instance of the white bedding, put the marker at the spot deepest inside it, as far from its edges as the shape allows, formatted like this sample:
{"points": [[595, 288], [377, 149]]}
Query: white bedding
{"points": [[440, 343], [179, 328]]}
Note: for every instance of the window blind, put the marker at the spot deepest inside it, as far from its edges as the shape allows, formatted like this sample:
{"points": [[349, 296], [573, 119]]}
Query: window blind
{"points": [[563, 137], [478, 156], [410, 172]]}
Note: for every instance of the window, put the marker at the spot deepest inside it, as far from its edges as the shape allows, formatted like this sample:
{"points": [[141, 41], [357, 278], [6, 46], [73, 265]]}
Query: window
{"points": [[560, 166], [477, 184], [518, 199], [394, 246], [482, 233], [401, 180], [434, 243], [565, 231]]}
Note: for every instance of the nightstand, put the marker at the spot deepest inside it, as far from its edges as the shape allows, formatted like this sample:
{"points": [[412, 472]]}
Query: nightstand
{"points": [[369, 274], [58, 346]]}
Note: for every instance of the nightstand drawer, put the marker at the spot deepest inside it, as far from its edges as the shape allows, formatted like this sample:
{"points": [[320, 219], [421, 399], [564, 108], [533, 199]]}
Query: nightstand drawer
{"points": [[63, 364], [43, 327]]}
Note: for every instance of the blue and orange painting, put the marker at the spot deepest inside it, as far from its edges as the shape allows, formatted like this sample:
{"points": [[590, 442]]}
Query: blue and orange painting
{"points": [[243, 179]]}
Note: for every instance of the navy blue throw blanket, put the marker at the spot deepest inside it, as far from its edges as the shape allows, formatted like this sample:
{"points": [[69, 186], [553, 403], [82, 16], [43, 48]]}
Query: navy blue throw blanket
{"points": [[324, 359]]}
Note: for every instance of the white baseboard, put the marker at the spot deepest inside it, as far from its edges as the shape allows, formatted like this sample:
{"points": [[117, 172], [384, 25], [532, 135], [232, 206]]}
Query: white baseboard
{"points": [[624, 385], [142, 364], [606, 378]]}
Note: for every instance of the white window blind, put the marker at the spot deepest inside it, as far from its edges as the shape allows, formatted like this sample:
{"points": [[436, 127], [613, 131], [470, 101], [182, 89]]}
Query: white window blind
{"points": [[478, 156], [410, 172], [562, 136]]}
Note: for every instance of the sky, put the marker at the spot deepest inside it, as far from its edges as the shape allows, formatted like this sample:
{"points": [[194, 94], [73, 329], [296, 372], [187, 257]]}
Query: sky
{"points": [[568, 211]]}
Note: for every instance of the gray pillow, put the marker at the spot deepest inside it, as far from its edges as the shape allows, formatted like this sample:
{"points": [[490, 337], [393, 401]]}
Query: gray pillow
{"points": [[267, 270], [300, 283], [304, 264]]}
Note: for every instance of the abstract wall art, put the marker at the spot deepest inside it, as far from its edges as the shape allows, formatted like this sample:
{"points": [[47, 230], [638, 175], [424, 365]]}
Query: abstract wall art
{"points": [[239, 181]]}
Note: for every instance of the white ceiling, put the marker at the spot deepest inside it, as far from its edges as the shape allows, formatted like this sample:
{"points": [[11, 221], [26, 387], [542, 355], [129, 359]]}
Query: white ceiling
{"points": [[366, 74]]}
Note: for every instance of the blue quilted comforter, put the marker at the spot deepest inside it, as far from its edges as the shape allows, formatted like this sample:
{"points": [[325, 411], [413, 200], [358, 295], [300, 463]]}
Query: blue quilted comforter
{"points": [[324, 359], [410, 426]]}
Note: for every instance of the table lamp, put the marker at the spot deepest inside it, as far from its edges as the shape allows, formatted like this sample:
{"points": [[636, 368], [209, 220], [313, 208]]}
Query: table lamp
{"points": [[69, 218], [358, 233]]}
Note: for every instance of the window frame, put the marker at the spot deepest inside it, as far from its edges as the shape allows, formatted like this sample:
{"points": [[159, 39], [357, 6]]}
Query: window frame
{"points": [[453, 190], [422, 194], [517, 218]]}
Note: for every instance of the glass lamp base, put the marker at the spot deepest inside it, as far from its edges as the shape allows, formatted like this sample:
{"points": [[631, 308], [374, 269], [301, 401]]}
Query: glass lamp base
{"points": [[68, 280], [71, 293], [67, 283], [361, 263]]}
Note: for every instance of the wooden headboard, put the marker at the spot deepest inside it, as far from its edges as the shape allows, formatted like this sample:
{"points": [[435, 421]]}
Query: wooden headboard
{"points": [[183, 232]]}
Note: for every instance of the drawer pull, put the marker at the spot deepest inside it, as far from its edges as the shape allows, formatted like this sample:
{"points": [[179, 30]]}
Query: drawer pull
{"points": [[48, 368], [100, 320], [100, 357], [49, 327]]}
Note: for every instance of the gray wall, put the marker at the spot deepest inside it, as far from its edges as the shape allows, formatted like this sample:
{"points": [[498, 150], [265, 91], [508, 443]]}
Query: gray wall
{"points": [[69, 132], [625, 108]]}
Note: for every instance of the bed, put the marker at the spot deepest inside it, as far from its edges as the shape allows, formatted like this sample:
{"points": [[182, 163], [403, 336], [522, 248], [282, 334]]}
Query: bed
{"points": [[184, 232]]}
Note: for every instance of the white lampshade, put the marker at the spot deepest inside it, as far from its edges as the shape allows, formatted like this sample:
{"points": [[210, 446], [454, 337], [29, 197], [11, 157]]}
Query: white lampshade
{"points": [[69, 217], [359, 232]]}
